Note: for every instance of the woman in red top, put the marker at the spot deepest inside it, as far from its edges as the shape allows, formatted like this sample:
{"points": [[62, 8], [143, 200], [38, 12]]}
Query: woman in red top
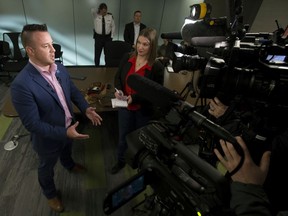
{"points": [[139, 111]]}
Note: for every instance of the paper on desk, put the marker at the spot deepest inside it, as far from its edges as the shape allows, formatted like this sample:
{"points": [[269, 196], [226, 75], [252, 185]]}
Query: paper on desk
{"points": [[118, 103]]}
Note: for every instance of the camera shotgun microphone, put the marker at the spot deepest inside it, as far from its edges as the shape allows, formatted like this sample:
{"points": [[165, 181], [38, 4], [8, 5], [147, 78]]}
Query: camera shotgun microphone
{"points": [[172, 35], [165, 98], [207, 41], [153, 91]]}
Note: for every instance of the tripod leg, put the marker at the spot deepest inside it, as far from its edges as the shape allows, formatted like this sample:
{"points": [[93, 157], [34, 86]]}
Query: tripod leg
{"points": [[188, 88]]}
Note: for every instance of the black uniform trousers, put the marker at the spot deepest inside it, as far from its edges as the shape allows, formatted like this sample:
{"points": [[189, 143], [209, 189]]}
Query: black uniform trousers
{"points": [[99, 44]]}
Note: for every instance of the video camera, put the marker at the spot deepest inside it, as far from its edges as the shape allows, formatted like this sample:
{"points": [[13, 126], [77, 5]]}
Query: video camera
{"points": [[237, 62], [252, 64], [182, 182]]}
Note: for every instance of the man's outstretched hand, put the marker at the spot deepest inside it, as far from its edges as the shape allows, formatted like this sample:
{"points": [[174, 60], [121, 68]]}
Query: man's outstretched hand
{"points": [[93, 116], [73, 134]]}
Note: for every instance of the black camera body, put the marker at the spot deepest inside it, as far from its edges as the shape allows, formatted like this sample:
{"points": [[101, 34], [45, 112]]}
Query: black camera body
{"points": [[178, 172], [255, 67], [184, 183]]}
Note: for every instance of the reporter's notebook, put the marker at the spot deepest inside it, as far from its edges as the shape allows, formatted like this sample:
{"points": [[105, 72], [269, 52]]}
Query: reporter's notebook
{"points": [[118, 103]]}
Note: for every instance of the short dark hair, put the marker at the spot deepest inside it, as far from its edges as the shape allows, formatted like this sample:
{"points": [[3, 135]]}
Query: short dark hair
{"points": [[102, 6], [35, 27], [28, 29], [137, 11]]}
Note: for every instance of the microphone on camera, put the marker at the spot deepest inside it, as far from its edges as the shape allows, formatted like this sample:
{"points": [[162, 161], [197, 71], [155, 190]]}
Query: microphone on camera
{"points": [[172, 35], [202, 34], [153, 91], [206, 41]]}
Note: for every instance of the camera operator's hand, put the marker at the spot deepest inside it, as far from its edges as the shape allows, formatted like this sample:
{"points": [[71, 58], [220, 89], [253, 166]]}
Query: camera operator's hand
{"points": [[217, 108], [249, 173], [72, 133]]}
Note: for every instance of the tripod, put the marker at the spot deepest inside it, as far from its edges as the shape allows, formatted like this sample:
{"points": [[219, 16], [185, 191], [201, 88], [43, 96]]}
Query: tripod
{"points": [[191, 88]]}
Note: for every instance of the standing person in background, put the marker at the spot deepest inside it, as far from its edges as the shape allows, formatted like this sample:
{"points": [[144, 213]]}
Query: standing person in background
{"points": [[104, 30], [42, 95], [139, 111], [132, 29]]}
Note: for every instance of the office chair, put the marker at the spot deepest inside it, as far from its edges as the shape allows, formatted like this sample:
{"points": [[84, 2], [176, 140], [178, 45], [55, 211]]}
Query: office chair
{"points": [[114, 51], [15, 61], [14, 38], [4, 57], [58, 53], [4, 49]]}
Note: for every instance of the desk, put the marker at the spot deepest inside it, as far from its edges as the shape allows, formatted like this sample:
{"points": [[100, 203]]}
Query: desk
{"points": [[177, 82], [173, 81]]}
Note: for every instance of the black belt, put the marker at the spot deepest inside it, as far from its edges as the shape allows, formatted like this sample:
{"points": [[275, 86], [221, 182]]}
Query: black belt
{"points": [[101, 35]]}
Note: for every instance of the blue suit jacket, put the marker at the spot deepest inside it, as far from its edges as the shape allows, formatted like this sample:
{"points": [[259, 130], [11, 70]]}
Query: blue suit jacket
{"points": [[39, 107]]}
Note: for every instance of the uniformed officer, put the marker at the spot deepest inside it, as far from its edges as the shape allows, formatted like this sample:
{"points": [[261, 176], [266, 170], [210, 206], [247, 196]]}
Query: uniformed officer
{"points": [[104, 29]]}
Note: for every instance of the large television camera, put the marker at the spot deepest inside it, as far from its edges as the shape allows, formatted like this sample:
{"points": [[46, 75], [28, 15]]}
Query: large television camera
{"points": [[253, 65], [230, 59], [246, 70]]}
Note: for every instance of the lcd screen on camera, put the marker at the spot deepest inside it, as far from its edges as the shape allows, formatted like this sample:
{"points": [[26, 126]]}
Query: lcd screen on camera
{"points": [[276, 59], [128, 192]]}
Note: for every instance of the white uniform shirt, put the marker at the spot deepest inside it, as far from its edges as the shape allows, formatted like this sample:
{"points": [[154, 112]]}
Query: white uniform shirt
{"points": [[109, 23], [136, 32]]}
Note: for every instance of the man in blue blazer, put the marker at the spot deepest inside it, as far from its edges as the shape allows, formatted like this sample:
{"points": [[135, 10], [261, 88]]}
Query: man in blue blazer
{"points": [[42, 94], [132, 29]]}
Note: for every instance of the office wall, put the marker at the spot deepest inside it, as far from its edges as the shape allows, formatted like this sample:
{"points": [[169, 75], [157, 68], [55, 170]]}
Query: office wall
{"points": [[270, 11], [70, 21]]}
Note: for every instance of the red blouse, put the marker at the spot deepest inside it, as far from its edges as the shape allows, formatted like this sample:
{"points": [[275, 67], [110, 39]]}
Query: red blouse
{"points": [[141, 72]]}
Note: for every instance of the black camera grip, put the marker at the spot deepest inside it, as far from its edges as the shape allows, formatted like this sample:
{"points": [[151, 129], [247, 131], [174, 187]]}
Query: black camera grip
{"points": [[219, 131]]}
